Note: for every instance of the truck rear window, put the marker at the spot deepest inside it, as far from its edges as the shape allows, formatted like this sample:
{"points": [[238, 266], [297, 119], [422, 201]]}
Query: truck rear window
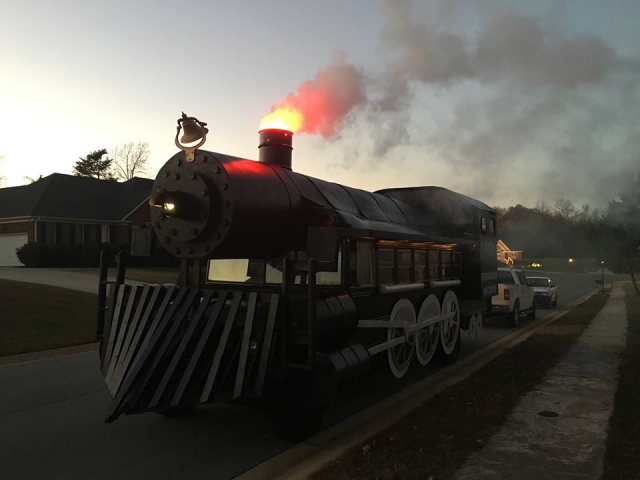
{"points": [[505, 277]]}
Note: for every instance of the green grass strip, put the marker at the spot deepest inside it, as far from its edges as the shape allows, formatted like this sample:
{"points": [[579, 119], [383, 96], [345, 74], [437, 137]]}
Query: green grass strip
{"points": [[622, 460], [39, 317], [437, 438]]}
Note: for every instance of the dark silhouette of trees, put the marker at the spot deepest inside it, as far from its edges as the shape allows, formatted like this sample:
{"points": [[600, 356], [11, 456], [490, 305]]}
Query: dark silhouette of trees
{"points": [[95, 165], [33, 180], [564, 209], [564, 231], [623, 243]]}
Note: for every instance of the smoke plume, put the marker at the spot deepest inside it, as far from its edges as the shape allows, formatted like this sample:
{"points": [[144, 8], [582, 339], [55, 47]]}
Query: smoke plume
{"points": [[516, 109], [325, 101]]}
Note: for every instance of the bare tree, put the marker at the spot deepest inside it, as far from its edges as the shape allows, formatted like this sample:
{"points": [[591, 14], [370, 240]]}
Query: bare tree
{"points": [[33, 180], [130, 159], [543, 208], [564, 209]]}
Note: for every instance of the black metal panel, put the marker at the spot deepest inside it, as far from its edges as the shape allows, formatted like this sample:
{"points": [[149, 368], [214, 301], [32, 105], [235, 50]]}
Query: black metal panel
{"points": [[113, 327], [337, 195], [292, 190], [367, 205], [148, 303], [246, 340], [146, 349], [265, 354], [193, 323], [391, 209], [203, 341], [173, 321], [213, 372], [123, 329], [308, 189]]}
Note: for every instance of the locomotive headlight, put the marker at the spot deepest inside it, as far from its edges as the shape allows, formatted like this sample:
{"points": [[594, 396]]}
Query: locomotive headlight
{"points": [[175, 204]]}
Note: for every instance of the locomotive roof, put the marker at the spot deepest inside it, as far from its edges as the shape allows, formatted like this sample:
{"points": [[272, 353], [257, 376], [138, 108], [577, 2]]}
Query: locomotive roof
{"points": [[429, 194], [432, 212]]}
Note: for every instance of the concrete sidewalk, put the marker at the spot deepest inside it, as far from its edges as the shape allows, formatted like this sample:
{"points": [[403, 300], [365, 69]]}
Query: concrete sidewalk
{"points": [[51, 276], [83, 282], [558, 431]]}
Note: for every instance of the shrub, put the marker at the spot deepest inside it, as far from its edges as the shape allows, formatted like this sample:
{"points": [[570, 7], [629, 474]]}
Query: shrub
{"points": [[32, 254], [39, 255]]}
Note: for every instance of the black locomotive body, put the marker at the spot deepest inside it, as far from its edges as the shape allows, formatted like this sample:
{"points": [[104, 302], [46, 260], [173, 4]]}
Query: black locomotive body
{"points": [[290, 285]]}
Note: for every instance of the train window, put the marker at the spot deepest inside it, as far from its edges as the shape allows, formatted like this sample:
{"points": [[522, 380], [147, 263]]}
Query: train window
{"points": [[366, 271], [492, 227], [420, 266], [446, 265], [404, 266], [434, 265], [386, 266], [241, 270], [273, 272], [457, 265], [331, 278], [483, 225]]}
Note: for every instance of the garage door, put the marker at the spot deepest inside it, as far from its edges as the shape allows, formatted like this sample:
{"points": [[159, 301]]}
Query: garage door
{"points": [[8, 245]]}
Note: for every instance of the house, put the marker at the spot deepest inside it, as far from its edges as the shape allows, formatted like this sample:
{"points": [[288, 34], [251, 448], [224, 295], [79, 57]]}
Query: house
{"points": [[506, 255], [67, 210]]}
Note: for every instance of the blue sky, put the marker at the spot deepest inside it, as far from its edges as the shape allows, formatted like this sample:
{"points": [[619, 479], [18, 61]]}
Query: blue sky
{"points": [[470, 111]]}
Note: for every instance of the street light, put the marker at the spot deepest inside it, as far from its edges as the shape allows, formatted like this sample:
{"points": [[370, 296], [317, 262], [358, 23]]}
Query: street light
{"points": [[602, 270]]}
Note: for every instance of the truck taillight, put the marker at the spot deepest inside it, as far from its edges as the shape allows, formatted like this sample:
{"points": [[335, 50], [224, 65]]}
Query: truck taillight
{"points": [[507, 294]]}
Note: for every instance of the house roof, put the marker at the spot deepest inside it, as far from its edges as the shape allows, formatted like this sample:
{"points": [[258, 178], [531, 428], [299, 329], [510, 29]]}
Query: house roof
{"points": [[80, 198]]}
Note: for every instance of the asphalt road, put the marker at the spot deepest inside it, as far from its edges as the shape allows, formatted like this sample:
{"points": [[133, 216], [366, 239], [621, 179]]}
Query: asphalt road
{"points": [[52, 411]]}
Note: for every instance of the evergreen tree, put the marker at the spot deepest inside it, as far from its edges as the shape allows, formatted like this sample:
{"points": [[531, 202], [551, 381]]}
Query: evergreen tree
{"points": [[95, 165]]}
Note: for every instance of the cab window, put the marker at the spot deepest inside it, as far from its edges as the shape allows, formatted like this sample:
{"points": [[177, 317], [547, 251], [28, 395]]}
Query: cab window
{"points": [[386, 266], [404, 266]]}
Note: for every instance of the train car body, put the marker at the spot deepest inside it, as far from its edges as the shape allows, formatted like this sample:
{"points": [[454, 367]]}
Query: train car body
{"points": [[290, 286]]}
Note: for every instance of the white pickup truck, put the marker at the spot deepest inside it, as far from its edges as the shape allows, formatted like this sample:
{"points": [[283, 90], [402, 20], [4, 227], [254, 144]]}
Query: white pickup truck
{"points": [[545, 291], [514, 297]]}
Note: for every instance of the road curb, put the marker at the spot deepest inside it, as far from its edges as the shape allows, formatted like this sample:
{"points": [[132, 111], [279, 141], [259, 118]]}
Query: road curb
{"points": [[45, 354], [307, 457]]}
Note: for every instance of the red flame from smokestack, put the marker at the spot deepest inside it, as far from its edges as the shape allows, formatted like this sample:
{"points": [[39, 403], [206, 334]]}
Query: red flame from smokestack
{"points": [[282, 118], [319, 105]]}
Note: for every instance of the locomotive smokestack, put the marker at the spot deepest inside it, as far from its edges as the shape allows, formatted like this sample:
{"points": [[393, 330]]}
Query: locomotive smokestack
{"points": [[275, 147]]}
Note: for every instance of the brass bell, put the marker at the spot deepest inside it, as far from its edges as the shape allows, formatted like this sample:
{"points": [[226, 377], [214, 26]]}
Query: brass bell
{"points": [[193, 130]]}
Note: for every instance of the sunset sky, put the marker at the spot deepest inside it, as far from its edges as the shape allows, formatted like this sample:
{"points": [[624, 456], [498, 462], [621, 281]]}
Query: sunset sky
{"points": [[500, 100]]}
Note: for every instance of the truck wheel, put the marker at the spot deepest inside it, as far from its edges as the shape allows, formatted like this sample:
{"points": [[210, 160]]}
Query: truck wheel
{"points": [[514, 318], [531, 314]]}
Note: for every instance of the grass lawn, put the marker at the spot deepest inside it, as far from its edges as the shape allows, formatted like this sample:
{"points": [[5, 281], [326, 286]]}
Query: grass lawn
{"points": [[622, 459], [38, 317], [436, 439], [147, 275], [579, 265]]}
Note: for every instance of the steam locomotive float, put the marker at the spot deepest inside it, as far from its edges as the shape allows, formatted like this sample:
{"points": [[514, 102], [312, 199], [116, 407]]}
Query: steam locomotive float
{"points": [[304, 282]]}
